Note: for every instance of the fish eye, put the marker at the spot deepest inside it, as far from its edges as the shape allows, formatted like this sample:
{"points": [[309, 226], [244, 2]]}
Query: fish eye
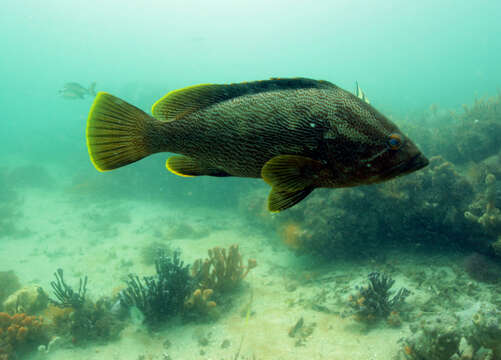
{"points": [[395, 141]]}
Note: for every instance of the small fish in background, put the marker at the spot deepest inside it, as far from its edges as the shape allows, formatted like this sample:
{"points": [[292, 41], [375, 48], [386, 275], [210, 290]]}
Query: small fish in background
{"points": [[360, 93], [296, 134], [74, 91]]}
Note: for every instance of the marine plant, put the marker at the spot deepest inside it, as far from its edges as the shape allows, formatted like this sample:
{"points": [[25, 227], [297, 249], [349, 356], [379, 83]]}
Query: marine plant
{"points": [[80, 318], [375, 300], [222, 271], [160, 296], [90, 322], [66, 296], [19, 334]]}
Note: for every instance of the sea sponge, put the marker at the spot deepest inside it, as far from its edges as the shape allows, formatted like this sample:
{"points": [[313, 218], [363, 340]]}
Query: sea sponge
{"points": [[222, 271], [30, 299], [200, 303]]}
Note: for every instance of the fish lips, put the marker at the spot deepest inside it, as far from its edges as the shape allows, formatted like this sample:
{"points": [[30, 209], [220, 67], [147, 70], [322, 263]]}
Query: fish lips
{"points": [[415, 163]]}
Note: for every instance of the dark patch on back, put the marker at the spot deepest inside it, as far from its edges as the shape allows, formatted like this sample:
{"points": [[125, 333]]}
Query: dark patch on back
{"points": [[182, 102]]}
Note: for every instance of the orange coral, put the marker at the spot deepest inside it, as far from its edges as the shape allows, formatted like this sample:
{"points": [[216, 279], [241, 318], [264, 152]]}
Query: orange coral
{"points": [[223, 270]]}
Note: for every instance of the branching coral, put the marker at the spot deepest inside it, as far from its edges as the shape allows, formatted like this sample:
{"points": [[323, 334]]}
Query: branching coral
{"points": [[222, 271], [375, 301], [19, 333], [163, 295]]}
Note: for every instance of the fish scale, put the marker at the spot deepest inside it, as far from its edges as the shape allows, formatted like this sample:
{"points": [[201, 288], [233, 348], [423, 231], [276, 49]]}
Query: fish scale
{"points": [[297, 134]]}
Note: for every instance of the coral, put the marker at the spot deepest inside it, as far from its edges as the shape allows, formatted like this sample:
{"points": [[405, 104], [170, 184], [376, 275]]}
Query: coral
{"points": [[19, 334], [89, 322], [66, 296], [163, 295], [30, 299], [481, 268], [222, 271], [375, 301], [8, 284]]}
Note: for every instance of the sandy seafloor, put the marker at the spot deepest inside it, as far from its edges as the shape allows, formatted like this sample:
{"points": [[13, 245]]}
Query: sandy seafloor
{"points": [[103, 240]]}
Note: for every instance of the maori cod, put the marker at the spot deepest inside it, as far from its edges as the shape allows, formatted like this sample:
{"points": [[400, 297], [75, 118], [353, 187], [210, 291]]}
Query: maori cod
{"points": [[296, 134]]}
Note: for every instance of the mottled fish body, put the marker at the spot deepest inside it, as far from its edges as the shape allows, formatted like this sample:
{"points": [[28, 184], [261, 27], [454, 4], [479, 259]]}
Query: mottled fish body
{"points": [[297, 134]]}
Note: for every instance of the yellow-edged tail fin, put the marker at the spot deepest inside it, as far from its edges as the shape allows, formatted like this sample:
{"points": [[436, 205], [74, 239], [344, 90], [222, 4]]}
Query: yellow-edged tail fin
{"points": [[116, 132]]}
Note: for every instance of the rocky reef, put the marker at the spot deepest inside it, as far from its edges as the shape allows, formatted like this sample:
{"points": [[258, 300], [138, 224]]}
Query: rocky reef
{"points": [[473, 334]]}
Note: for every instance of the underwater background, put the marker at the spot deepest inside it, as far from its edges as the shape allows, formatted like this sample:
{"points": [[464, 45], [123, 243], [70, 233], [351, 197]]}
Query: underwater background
{"points": [[407, 269]]}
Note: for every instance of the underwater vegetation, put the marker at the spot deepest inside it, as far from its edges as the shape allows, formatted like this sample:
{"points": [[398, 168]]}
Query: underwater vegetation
{"points": [[64, 293], [161, 296], [175, 290], [77, 319], [20, 334], [376, 301], [222, 270]]}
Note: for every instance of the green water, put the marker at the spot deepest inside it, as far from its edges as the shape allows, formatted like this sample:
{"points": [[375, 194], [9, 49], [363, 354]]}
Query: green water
{"points": [[58, 211]]}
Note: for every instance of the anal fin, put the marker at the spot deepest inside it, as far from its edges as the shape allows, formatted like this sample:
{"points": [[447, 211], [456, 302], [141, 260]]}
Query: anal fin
{"points": [[187, 166], [279, 200]]}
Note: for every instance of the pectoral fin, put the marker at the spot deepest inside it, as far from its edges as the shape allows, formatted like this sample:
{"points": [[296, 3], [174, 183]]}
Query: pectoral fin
{"points": [[291, 172], [189, 167], [279, 200]]}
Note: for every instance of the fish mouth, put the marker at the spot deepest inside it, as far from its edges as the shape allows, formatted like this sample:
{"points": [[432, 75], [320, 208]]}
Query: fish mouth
{"points": [[417, 162]]}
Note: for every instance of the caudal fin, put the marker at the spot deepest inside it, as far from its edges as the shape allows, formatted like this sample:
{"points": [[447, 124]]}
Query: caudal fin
{"points": [[116, 132]]}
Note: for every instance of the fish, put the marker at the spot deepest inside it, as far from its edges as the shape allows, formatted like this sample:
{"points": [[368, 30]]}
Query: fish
{"points": [[297, 134], [73, 91]]}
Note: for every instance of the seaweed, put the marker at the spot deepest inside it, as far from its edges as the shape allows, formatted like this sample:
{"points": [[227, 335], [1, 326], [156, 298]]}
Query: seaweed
{"points": [[160, 296], [375, 301], [66, 296]]}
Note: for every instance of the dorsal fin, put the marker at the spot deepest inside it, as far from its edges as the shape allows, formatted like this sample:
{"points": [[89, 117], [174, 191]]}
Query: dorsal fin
{"points": [[179, 103]]}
